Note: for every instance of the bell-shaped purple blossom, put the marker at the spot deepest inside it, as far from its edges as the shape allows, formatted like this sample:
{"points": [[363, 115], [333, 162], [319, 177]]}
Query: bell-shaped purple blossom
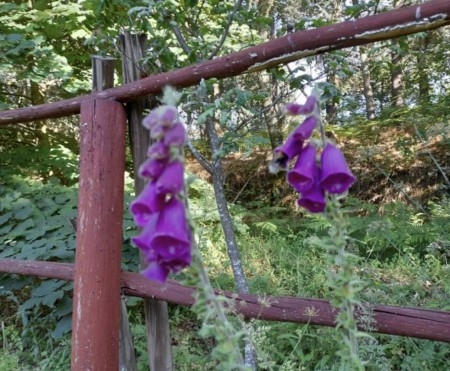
{"points": [[152, 168], [168, 115], [305, 129], [336, 176], [314, 199], [164, 115], [172, 236], [144, 240], [287, 151], [156, 272], [147, 203], [302, 109], [158, 131], [302, 176], [175, 136], [158, 151], [171, 181]]}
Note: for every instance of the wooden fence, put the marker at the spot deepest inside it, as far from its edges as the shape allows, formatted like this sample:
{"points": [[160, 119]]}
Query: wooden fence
{"points": [[98, 281]]}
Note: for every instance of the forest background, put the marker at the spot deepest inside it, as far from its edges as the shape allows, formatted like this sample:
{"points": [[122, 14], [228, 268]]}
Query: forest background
{"points": [[387, 108]]}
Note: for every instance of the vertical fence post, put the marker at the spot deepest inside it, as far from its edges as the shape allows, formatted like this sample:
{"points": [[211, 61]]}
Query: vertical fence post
{"points": [[102, 79], [96, 306], [134, 48]]}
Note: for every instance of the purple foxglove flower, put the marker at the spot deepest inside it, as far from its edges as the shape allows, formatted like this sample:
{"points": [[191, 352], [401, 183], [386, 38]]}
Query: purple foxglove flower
{"points": [[336, 176], [147, 203], [167, 115], [158, 151], [156, 272], [171, 180], [305, 130], [302, 109], [144, 240], [158, 131], [284, 153], [172, 236], [176, 265], [152, 168], [313, 200], [177, 251], [176, 136], [164, 115], [151, 119], [302, 176], [293, 109], [310, 104]]}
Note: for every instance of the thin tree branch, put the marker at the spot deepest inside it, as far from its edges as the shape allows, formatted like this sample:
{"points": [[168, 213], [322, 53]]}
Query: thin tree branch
{"points": [[399, 187], [226, 30], [432, 157], [242, 188], [180, 38], [15, 95], [199, 157]]}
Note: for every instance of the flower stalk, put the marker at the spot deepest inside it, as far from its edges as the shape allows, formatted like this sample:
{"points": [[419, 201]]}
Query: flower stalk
{"points": [[321, 182], [167, 231]]}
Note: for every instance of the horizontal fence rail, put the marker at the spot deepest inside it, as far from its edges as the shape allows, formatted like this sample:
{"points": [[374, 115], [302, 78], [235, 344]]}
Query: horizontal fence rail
{"points": [[391, 320], [285, 49]]}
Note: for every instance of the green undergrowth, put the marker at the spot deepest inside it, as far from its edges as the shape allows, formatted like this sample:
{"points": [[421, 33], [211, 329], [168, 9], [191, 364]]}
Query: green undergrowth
{"points": [[404, 261]]}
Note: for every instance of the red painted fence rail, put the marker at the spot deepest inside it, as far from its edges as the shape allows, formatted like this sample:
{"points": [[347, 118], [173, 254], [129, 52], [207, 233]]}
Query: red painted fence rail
{"points": [[391, 320], [285, 49]]}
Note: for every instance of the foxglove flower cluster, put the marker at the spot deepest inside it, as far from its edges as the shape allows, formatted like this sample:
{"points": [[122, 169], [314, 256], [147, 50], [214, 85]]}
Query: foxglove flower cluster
{"points": [[307, 176], [165, 237]]}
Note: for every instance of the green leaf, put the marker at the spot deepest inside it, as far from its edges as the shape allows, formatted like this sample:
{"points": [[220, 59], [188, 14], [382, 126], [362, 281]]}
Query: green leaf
{"points": [[5, 217], [48, 287], [14, 37], [204, 115], [24, 213], [63, 326], [50, 299], [64, 306], [21, 228], [30, 303]]}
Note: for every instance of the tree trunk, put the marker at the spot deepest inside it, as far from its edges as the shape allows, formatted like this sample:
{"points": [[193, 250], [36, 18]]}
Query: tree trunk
{"points": [[423, 68], [330, 68], [228, 229], [367, 84], [332, 106], [396, 75], [396, 65], [222, 205], [274, 123], [156, 312]]}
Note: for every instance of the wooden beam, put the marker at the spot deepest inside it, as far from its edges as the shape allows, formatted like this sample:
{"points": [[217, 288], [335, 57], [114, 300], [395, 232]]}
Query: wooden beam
{"points": [[96, 298], [391, 320], [159, 341], [102, 79], [403, 21]]}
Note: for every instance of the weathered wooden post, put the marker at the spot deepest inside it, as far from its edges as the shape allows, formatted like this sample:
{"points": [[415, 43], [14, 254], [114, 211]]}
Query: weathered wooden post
{"points": [[102, 79], [96, 306], [156, 312]]}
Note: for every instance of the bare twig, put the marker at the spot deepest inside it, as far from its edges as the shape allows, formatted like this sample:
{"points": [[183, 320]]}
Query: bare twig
{"points": [[180, 38], [242, 188], [432, 157], [199, 157], [226, 30], [400, 188]]}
